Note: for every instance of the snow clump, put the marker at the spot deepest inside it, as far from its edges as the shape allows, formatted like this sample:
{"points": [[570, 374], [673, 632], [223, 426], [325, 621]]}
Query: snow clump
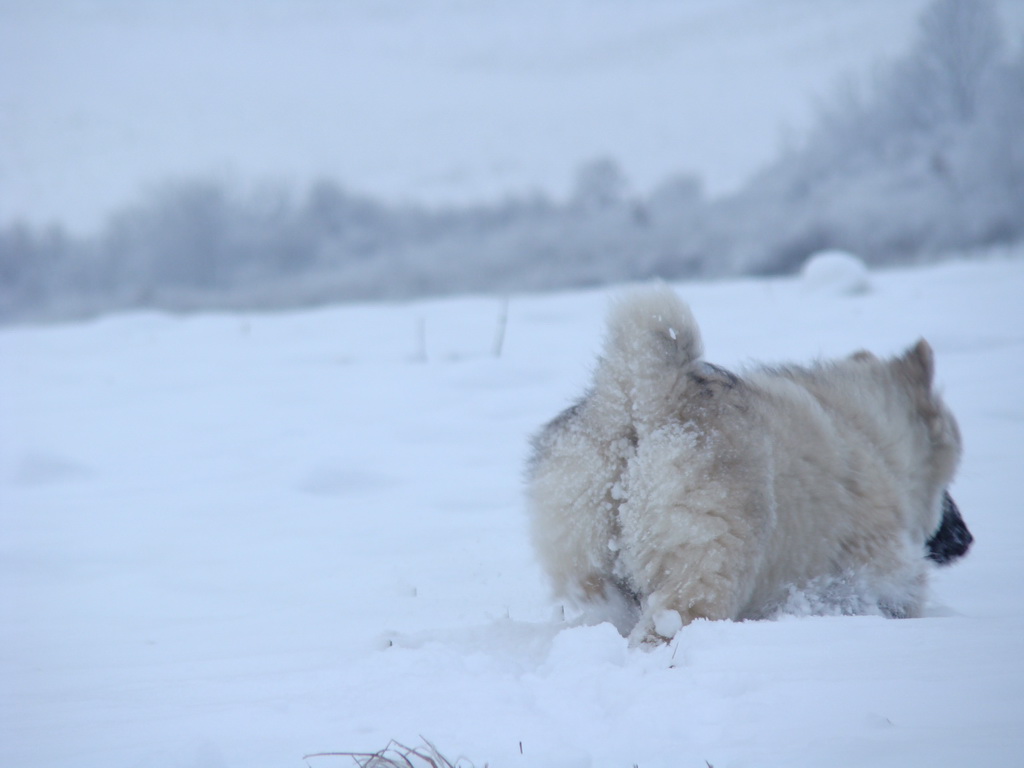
{"points": [[835, 273]]}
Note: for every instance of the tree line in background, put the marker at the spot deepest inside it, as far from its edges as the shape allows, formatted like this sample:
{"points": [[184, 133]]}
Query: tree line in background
{"points": [[927, 157]]}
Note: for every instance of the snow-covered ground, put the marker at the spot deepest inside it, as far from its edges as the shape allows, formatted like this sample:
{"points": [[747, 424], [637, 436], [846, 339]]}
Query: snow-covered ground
{"points": [[228, 541], [439, 100]]}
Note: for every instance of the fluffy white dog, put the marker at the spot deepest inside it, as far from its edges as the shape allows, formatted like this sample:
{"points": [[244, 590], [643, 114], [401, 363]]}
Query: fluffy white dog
{"points": [[676, 490]]}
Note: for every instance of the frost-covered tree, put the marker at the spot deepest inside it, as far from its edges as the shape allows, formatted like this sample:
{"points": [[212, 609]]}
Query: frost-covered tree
{"points": [[914, 103], [958, 47], [599, 184], [988, 162], [920, 160]]}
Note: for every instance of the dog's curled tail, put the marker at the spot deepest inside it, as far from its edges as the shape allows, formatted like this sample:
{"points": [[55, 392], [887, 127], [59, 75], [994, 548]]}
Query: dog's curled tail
{"points": [[652, 342]]}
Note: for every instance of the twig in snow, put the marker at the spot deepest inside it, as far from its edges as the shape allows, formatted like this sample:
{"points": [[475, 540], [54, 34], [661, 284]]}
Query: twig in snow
{"points": [[499, 336], [397, 755]]}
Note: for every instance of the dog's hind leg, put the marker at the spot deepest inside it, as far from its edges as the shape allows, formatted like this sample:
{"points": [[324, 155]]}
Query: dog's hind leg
{"points": [[691, 547], [573, 494]]}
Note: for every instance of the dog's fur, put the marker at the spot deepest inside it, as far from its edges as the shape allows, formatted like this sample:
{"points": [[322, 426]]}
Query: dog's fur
{"points": [[674, 485]]}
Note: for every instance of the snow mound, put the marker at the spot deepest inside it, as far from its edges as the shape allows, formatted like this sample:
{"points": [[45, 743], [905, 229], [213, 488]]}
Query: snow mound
{"points": [[835, 273]]}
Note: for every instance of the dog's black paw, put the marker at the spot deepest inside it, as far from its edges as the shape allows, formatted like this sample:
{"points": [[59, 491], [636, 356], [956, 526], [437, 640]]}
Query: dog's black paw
{"points": [[952, 540]]}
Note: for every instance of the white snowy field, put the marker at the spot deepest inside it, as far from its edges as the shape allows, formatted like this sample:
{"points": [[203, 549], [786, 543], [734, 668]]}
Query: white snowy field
{"points": [[228, 541], [433, 100]]}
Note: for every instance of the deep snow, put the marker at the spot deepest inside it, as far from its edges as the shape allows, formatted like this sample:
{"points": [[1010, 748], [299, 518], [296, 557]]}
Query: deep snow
{"points": [[232, 540]]}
